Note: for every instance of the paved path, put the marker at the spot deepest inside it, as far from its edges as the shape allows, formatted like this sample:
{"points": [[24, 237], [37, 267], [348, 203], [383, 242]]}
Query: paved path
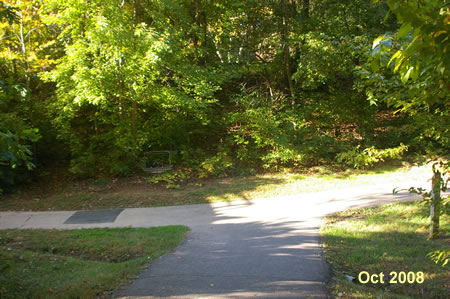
{"points": [[264, 248]]}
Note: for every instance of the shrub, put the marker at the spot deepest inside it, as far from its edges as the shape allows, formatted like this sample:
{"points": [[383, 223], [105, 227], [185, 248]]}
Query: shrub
{"points": [[112, 162], [367, 157], [16, 156], [218, 165]]}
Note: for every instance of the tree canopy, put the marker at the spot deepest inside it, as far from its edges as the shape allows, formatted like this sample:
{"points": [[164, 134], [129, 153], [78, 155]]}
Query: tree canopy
{"points": [[232, 86]]}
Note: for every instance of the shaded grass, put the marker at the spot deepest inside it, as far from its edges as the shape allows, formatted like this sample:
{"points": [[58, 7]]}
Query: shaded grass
{"points": [[381, 240], [78, 263], [136, 192]]}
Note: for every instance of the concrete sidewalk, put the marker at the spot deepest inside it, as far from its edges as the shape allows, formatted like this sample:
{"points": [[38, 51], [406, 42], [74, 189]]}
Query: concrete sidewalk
{"points": [[262, 248], [318, 204]]}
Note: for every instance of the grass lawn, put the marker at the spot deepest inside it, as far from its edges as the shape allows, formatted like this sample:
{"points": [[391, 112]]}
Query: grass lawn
{"points": [[137, 192], [391, 238], [85, 263]]}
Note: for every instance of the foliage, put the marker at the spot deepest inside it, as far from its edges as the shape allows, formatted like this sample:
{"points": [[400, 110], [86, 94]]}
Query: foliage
{"points": [[8, 13], [26, 49], [15, 156], [217, 165], [16, 153], [417, 52], [369, 156], [16, 142], [233, 86], [440, 256], [120, 87], [172, 178]]}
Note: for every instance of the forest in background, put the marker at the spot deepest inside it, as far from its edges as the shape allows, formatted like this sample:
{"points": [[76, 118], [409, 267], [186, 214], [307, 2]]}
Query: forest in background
{"points": [[234, 87]]}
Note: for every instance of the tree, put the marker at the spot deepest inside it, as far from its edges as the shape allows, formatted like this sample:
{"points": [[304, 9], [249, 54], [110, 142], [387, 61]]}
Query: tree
{"points": [[256, 83], [417, 52], [21, 57], [125, 86], [8, 13]]}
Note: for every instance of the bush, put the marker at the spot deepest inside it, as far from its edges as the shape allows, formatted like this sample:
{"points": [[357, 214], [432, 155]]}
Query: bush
{"points": [[113, 162], [172, 178], [367, 157], [16, 156], [218, 165]]}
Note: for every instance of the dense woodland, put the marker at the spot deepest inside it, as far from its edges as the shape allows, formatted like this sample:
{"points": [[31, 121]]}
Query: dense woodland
{"points": [[232, 86]]}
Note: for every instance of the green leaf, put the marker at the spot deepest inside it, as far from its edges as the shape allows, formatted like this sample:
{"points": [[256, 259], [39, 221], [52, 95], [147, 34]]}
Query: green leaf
{"points": [[375, 65], [387, 16], [377, 41], [415, 72], [405, 77], [8, 156], [386, 43], [398, 63], [397, 54], [406, 27], [412, 47]]}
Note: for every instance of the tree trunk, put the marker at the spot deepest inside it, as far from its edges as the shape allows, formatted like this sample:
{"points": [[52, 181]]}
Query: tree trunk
{"points": [[29, 98], [133, 118], [287, 65], [133, 124], [305, 8], [435, 208], [285, 43], [26, 69]]}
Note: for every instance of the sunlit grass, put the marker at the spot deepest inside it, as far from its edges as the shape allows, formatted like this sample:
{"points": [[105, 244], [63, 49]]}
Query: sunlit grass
{"points": [[292, 183], [385, 239], [135, 195]]}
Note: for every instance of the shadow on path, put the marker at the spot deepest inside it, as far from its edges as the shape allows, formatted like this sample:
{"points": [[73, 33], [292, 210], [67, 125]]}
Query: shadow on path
{"points": [[238, 257]]}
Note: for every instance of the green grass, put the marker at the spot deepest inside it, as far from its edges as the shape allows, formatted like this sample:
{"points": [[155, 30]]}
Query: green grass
{"points": [[78, 263], [385, 239], [284, 184], [137, 192]]}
